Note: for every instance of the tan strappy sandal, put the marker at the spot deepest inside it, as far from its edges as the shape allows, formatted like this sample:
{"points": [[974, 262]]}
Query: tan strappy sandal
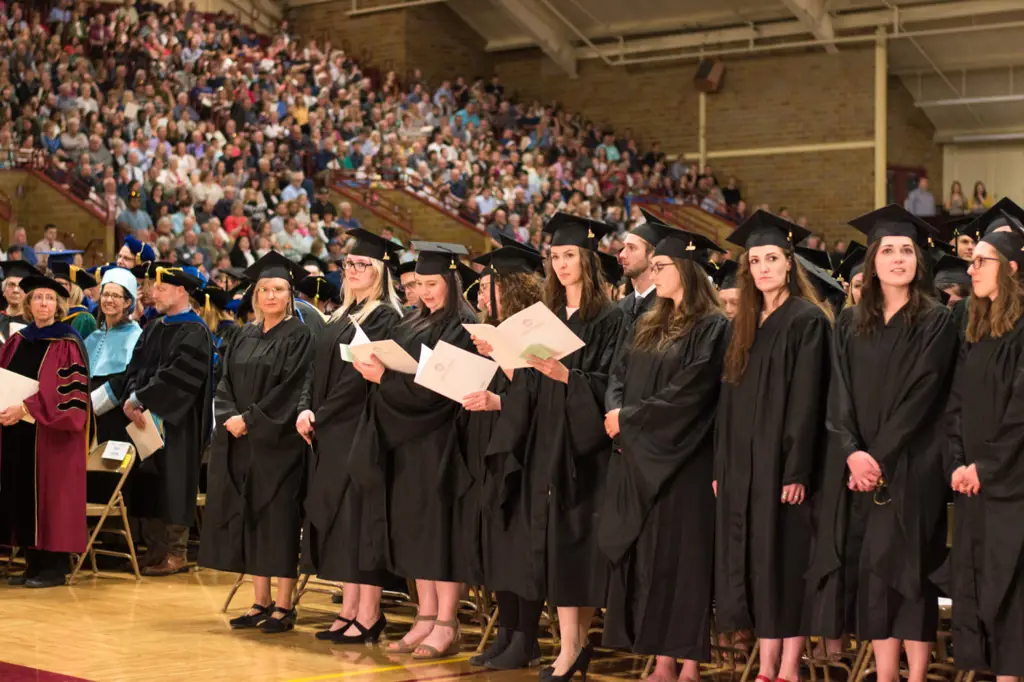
{"points": [[451, 650], [405, 648]]}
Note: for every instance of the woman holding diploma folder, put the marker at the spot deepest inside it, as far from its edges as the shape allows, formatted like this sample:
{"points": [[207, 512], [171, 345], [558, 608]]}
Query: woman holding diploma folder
{"points": [[329, 410], [554, 425], [509, 284], [657, 517], [42, 461], [399, 461], [257, 469]]}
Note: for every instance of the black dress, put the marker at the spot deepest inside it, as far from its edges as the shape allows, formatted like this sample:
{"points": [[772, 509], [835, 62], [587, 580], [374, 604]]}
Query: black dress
{"points": [[557, 432], [256, 482], [874, 551], [402, 460], [337, 394], [770, 434], [986, 420], [657, 517]]}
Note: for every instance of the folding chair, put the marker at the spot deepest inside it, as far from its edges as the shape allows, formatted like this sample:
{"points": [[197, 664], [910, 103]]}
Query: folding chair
{"points": [[97, 464]]}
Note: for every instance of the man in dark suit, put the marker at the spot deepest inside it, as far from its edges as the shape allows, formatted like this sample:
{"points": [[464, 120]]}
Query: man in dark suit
{"points": [[635, 258]]}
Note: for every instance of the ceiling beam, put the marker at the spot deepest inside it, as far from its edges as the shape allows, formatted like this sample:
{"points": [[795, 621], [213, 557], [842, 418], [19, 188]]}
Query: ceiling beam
{"points": [[544, 28], [813, 15]]}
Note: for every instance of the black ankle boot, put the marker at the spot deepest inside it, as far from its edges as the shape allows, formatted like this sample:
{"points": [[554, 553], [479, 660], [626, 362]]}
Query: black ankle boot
{"points": [[520, 653], [499, 645]]}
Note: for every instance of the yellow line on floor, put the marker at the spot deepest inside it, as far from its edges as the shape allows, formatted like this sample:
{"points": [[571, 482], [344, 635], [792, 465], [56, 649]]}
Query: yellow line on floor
{"points": [[381, 669]]}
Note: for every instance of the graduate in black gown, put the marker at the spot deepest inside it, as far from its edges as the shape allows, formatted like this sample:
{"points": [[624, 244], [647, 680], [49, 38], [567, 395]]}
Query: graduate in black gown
{"points": [[770, 444], [257, 474], [555, 427], [635, 257], [850, 273], [656, 523], [882, 501], [170, 374], [398, 459], [329, 410], [728, 291], [986, 433], [13, 272], [508, 285]]}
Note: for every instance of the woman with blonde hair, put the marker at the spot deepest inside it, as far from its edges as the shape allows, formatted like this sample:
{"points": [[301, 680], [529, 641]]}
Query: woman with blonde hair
{"points": [[257, 470], [656, 522], [985, 413], [74, 279], [330, 406], [770, 444]]}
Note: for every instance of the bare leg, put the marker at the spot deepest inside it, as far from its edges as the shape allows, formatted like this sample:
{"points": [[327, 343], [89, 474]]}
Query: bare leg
{"points": [[569, 636], [350, 595], [887, 659], [427, 592], [285, 592], [919, 655], [1007, 678], [792, 652], [690, 671], [769, 652], [441, 637], [665, 670], [261, 593], [586, 617]]}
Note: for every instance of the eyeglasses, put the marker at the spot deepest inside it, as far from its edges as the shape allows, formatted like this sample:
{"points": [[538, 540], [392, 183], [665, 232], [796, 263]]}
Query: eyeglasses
{"points": [[979, 261], [656, 268], [276, 292], [111, 296], [358, 266]]}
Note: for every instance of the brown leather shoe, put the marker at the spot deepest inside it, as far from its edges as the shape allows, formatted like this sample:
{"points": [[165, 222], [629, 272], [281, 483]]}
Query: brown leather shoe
{"points": [[152, 557], [170, 566]]}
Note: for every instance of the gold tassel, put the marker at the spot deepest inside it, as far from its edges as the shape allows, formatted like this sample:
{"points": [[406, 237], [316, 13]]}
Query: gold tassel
{"points": [[386, 256], [590, 233], [690, 247], [316, 298], [790, 237], [453, 266], [206, 306]]}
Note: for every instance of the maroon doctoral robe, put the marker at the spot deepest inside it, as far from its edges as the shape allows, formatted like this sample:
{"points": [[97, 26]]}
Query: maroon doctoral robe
{"points": [[62, 411]]}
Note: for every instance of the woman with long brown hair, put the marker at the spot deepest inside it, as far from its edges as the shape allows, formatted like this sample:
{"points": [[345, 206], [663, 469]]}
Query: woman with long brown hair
{"points": [[555, 427], [770, 444], [985, 415], [508, 285], [880, 530], [656, 521]]}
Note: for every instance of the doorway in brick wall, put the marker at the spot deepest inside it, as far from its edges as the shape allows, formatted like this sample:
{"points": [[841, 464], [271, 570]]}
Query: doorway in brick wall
{"points": [[901, 181]]}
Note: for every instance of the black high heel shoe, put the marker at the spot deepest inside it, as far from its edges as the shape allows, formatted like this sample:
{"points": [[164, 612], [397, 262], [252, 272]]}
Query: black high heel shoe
{"points": [[369, 635], [272, 625], [254, 620], [581, 664], [332, 635]]}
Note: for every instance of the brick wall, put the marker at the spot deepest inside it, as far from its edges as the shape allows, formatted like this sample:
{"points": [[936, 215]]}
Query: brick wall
{"points": [[375, 39], [912, 137], [443, 46]]}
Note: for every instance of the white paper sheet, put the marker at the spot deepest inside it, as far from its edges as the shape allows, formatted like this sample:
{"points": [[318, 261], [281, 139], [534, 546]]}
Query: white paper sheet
{"points": [[390, 354], [534, 331], [360, 337], [14, 389], [16, 327], [147, 439], [116, 450], [453, 372]]}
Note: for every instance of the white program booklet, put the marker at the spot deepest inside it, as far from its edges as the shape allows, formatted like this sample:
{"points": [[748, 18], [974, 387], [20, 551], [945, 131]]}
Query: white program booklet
{"points": [[534, 331], [453, 372], [390, 354], [14, 389], [147, 439]]}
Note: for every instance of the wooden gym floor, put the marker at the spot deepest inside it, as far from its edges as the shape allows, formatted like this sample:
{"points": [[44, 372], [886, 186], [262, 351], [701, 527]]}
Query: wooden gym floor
{"points": [[114, 629]]}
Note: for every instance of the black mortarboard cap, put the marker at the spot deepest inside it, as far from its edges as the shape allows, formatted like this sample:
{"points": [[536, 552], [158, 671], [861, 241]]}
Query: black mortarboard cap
{"points": [[1004, 213], [823, 282], [373, 246], [767, 229], [18, 268], [725, 276], [816, 256], [651, 231], [511, 259], [955, 226], [73, 274], [181, 276], [408, 266], [317, 288], [677, 243], [237, 274], [33, 282], [852, 259], [570, 230], [57, 257], [470, 279], [950, 270], [212, 295], [437, 258], [148, 270], [310, 259], [610, 267], [895, 221], [1010, 245], [274, 265]]}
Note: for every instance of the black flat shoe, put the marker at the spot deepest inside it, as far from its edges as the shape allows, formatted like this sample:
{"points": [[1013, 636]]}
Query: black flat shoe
{"points": [[520, 653], [46, 580], [495, 649], [253, 621], [369, 635], [580, 665], [329, 635], [272, 626]]}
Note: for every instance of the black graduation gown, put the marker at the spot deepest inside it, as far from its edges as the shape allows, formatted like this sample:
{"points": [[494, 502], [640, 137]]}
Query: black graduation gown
{"points": [[631, 309], [770, 433], [959, 310], [557, 432], [5, 324], [656, 523], [256, 482], [986, 420], [401, 459], [337, 394], [312, 317], [871, 560], [171, 373]]}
